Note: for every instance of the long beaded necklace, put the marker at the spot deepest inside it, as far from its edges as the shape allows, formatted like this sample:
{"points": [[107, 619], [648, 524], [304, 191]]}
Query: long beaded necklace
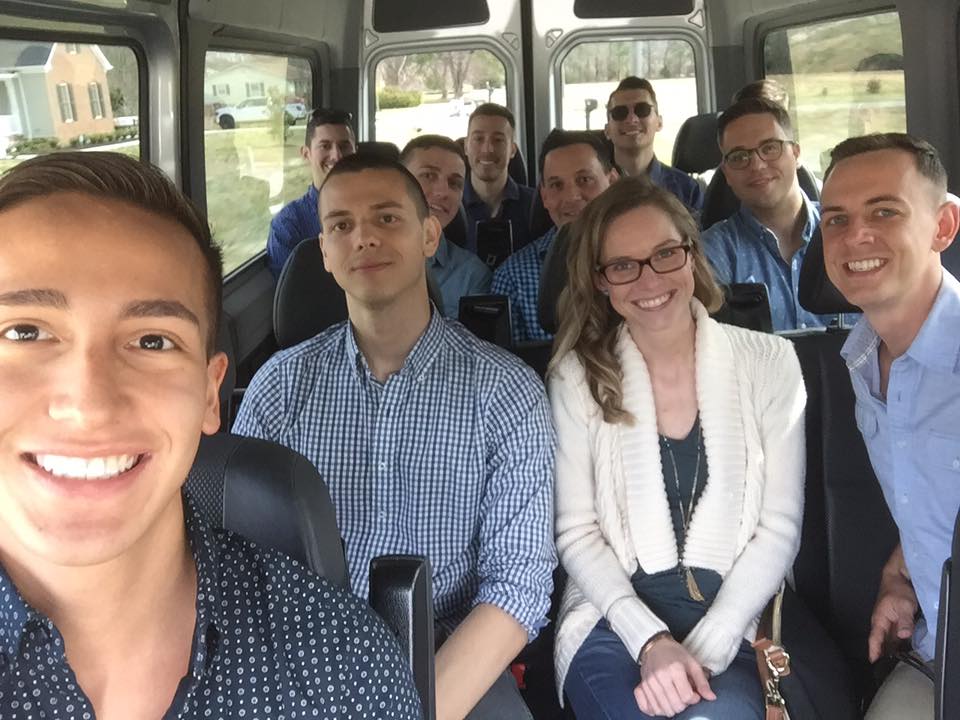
{"points": [[693, 590]]}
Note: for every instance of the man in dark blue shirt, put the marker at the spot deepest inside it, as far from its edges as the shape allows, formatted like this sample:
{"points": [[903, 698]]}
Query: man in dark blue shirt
{"points": [[329, 138], [115, 600], [491, 194], [633, 120]]}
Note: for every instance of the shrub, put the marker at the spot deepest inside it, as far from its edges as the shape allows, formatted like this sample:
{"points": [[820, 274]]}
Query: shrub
{"points": [[392, 97], [32, 146], [873, 86]]}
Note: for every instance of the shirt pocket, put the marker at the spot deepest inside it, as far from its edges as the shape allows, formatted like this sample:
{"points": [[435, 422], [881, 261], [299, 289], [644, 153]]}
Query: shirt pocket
{"points": [[866, 420], [943, 451]]}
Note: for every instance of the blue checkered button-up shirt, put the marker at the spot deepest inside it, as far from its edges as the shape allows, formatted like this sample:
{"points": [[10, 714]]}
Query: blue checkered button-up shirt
{"points": [[741, 250], [296, 221], [519, 279], [452, 458], [913, 438]]}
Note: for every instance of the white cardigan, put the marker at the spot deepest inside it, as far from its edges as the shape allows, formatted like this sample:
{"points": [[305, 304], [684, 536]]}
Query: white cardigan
{"points": [[611, 504]]}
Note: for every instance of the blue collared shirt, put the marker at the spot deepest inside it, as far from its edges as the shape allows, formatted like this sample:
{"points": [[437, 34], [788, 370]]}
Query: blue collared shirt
{"points": [[271, 640], [452, 457], [913, 438], [741, 250], [515, 207], [457, 272], [519, 279], [677, 182], [296, 221]]}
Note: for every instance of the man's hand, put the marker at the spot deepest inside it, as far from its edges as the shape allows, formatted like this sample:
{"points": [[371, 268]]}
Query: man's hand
{"points": [[671, 680], [892, 619]]}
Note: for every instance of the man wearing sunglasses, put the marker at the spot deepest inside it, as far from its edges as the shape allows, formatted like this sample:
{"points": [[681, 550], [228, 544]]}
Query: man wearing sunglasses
{"points": [[765, 241], [329, 138], [632, 123]]}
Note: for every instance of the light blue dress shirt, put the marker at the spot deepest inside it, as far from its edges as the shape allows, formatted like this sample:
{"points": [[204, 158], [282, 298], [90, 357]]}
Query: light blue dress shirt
{"points": [[452, 458], [913, 438], [741, 250], [457, 272]]}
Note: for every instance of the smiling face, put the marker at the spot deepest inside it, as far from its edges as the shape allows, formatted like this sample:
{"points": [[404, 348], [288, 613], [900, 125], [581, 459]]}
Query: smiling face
{"points": [[330, 144], [763, 184], [373, 241], [884, 226], [489, 147], [104, 374], [572, 177], [440, 174], [634, 133], [653, 302]]}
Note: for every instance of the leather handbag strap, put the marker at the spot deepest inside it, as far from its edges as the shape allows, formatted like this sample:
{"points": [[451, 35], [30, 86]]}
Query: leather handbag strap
{"points": [[773, 661]]}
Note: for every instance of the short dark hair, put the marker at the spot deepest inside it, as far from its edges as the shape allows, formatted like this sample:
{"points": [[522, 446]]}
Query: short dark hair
{"points": [[371, 161], [632, 82], [924, 154], [753, 106], [559, 138], [425, 142], [767, 89], [115, 176], [327, 116], [493, 110]]}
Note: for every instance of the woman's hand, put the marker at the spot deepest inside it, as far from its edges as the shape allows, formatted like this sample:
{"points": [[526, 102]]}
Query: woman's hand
{"points": [[671, 679]]}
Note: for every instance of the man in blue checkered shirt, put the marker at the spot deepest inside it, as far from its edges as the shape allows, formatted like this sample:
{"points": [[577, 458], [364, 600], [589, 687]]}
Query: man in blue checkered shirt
{"points": [[575, 167], [432, 441]]}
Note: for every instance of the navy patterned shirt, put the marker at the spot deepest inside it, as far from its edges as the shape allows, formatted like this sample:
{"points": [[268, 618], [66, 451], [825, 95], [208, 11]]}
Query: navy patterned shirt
{"points": [[519, 279], [271, 641], [679, 183], [515, 207], [296, 221], [451, 458]]}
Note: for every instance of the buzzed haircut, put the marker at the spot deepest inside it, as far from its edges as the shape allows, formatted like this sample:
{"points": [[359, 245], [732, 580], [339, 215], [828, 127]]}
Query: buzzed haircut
{"points": [[114, 176], [767, 89], [328, 116], [754, 106], [370, 161], [632, 82], [562, 138], [426, 142], [924, 154], [493, 110]]}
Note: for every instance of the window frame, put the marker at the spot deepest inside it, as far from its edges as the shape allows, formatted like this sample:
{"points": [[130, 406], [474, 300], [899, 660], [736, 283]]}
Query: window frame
{"points": [[66, 101]]}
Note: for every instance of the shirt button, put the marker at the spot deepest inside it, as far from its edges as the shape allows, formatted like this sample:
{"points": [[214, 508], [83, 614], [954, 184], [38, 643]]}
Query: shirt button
{"points": [[904, 500], [382, 465], [956, 463]]}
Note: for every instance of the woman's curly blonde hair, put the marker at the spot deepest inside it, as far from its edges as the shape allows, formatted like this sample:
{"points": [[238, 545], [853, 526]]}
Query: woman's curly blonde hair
{"points": [[588, 323]]}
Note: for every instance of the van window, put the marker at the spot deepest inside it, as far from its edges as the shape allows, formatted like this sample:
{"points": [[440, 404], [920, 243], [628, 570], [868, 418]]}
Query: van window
{"points": [[255, 113], [63, 96], [844, 78], [435, 92], [592, 70]]}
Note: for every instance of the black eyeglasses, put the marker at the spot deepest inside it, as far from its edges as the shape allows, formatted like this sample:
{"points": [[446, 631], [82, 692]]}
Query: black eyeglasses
{"points": [[621, 112], [768, 151], [625, 270]]}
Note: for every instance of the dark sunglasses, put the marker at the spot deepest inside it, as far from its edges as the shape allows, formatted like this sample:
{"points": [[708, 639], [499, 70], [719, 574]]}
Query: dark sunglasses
{"points": [[621, 112]]}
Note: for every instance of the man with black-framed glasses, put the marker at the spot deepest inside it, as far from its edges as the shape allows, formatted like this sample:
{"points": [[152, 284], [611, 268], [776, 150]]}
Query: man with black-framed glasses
{"points": [[766, 240], [633, 120], [329, 138]]}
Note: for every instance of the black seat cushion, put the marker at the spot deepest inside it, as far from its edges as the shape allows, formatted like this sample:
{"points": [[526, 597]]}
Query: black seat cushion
{"points": [[271, 495], [308, 299], [815, 291], [379, 148], [695, 150]]}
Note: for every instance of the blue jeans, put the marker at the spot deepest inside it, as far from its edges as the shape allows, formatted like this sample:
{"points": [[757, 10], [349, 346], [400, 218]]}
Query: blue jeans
{"points": [[602, 677]]}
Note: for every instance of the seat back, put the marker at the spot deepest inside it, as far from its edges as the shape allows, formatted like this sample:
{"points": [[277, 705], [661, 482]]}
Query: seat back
{"points": [[517, 168], [380, 148], [456, 229], [719, 202], [695, 150], [270, 495], [947, 663]]}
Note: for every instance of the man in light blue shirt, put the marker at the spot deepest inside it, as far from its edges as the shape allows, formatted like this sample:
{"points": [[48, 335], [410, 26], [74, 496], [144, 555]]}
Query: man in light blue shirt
{"points": [[439, 165], [432, 441], [766, 240], [886, 219], [575, 167]]}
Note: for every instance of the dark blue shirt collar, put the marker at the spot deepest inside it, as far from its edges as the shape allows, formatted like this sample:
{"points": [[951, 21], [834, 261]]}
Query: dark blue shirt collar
{"points": [[655, 171]]}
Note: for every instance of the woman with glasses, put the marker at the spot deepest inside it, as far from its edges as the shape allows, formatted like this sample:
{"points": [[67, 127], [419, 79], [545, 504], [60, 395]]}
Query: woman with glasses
{"points": [[680, 467]]}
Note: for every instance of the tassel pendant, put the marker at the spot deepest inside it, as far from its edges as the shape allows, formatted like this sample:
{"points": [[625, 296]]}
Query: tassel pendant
{"points": [[692, 588]]}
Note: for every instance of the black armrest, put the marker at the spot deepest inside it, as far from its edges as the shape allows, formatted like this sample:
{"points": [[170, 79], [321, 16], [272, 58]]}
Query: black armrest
{"points": [[402, 594], [947, 662]]}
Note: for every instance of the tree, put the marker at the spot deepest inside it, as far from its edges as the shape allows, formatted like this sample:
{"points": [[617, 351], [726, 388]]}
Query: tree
{"points": [[457, 63], [391, 70]]}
